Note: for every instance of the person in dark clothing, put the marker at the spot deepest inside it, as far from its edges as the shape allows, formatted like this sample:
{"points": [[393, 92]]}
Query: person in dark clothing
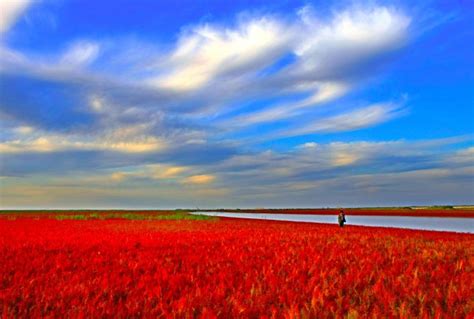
{"points": [[341, 218]]}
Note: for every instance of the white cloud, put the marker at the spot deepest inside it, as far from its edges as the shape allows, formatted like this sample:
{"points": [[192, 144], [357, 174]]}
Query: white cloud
{"points": [[350, 121], [351, 37], [220, 67], [144, 172], [199, 179], [344, 158], [132, 116], [328, 55], [10, 10], [96, 104], [170, 172], [23, 130], [334, 171], [324, 50], [309, 145], [207, 52], [118, 176], [79, 54], [148, 106], [151, 172], [464, 156], [310, 175], [52, 143], [37, 145], [325, 93]]}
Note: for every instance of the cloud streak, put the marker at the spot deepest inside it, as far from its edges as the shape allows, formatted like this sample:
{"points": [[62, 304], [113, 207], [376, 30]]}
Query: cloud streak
{"points": [[191, 118], [10, 11], [311, 174], [357, 119], [213, 70]]}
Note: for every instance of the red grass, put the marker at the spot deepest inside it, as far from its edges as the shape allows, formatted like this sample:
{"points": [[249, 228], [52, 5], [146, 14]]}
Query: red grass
{"points": [[231, 268], [37, 214]]}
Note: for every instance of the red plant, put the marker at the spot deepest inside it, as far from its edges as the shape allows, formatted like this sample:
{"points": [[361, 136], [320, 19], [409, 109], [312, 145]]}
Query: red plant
{"points": [[230, 268]]}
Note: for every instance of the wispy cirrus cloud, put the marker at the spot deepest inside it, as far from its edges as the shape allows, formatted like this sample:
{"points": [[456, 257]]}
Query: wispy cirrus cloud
{"points": [[171, 120], [336, 173], [55, 143], [79, 54], [10, 11], [356, 119], [207, 53], [200, 179], [212, 70]]}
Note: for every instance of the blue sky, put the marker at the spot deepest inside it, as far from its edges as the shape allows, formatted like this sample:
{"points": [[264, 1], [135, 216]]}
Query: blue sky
{"points": [[165, 104]]}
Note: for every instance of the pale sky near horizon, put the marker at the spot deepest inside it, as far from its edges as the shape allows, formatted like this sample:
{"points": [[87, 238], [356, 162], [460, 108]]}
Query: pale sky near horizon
{"points": [[169, 104]]}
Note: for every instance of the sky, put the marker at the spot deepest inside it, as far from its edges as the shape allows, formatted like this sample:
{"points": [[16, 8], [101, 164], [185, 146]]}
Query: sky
{"points": [[207, 104]]}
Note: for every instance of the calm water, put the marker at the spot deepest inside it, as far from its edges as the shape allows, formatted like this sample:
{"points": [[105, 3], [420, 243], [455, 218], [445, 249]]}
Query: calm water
{"points": [[465, 225]]}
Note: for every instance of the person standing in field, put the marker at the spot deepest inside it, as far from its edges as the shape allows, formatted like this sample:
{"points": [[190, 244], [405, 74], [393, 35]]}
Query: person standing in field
{"points": [[341, 218]]}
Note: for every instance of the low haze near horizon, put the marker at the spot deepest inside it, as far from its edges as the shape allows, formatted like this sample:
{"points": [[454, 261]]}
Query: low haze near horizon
{"points": [[160, 104]]}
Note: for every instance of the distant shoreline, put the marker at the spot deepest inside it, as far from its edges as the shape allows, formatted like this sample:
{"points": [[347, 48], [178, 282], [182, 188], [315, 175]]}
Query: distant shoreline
{"points": [[419, 211]]}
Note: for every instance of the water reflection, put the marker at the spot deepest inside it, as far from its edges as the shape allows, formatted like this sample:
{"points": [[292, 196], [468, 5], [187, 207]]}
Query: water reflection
{"points": [[465, 225]]}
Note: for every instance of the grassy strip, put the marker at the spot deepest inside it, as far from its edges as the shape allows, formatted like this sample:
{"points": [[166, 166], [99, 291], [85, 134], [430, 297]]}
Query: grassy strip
{"points": [[77, 211]]}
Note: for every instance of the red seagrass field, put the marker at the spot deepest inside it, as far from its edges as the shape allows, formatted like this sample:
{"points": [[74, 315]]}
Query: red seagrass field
{"points": [[124, 265]]}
